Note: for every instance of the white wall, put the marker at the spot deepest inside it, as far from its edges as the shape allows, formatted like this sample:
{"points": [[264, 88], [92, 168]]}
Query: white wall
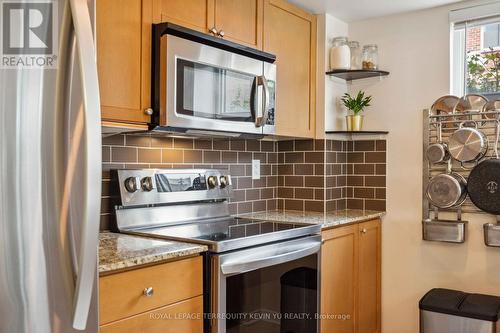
{"points": [[414, 47], [329, 88]]}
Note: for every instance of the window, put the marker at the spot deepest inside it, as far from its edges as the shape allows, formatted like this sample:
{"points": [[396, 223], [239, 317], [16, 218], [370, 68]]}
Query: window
{"points": [[476, 50], [491, 35]]}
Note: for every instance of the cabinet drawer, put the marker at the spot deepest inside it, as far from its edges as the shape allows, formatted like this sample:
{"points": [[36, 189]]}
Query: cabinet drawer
{"points": [[185, 316], [122, 295]]}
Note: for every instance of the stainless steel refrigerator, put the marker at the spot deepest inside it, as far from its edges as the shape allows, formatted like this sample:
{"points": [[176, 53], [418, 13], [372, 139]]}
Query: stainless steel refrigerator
{"points": [[50, 176]]}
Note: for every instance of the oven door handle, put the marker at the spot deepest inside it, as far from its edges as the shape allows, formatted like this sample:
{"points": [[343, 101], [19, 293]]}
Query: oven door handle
{"points": [[258, 262]]}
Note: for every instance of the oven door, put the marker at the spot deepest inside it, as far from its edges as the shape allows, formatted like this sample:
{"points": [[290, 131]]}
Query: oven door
{"points": [[207, 88], [272, 288]]}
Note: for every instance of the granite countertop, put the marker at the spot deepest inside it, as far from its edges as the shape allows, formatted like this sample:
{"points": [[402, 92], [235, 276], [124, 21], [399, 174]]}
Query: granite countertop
{"points": [[119, 251], [327, 220]]}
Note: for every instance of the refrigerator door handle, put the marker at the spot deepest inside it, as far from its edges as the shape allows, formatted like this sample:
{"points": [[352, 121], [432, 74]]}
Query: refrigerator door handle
{"points": [[87, 258]]}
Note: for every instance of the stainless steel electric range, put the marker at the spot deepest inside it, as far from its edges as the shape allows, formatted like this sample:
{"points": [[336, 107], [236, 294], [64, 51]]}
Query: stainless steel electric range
{"points": [[260, 276]]}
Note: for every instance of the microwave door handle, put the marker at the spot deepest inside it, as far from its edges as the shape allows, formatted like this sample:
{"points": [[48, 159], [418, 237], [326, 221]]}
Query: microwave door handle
{"points": [[240, 267], [261, 85], [266, 100], [253, 104], [87, 263]]}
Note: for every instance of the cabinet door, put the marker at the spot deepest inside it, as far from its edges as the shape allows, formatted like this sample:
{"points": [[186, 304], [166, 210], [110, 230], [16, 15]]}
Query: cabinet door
{"points": [[290, 34], [169, 319], [121, 294], [240, 20], [193, 14], [369, 277], [123, 60], [339, 273]]}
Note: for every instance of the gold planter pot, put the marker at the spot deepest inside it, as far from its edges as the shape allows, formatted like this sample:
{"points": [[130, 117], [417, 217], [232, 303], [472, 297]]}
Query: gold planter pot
{"points": [[354, 123]]}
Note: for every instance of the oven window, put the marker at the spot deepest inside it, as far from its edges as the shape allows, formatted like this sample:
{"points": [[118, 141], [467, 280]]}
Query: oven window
{"points": [[277, 299], [214, 93]]}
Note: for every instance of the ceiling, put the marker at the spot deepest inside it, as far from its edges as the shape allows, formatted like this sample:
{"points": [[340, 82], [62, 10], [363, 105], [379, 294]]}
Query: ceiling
{"points": [[355, 10]]}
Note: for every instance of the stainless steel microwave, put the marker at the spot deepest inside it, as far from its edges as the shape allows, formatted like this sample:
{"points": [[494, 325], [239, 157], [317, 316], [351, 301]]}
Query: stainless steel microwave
{"points": [[204, 85]]}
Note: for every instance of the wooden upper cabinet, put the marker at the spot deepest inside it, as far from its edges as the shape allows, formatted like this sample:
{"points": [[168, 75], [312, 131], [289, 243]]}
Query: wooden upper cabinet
{"points": [[369, 277], [290, 34], [339, 273], [192, 14], [240, 20], [123, 36]]}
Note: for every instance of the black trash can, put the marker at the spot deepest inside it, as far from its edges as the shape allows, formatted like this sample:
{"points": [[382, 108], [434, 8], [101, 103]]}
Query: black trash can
{"points": [[453, 311], [299, 301]]}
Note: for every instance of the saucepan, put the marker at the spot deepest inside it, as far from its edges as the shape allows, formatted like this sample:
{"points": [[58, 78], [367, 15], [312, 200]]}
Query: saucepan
{"points": [[447, 190], [438, 152]]}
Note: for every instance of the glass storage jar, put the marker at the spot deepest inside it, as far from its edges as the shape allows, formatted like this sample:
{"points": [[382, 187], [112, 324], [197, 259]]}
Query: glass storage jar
{"points": [[370, 57], [355, 55], [340, 54]]}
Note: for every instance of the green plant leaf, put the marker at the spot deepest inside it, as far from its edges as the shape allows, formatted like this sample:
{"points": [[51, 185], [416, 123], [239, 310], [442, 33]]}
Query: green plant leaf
{"points": [[356, 104]]}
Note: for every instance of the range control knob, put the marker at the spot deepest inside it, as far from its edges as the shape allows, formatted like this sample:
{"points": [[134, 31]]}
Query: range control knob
{"points": [[212, 182], [223, 181], [147, 184], [131, 184]]}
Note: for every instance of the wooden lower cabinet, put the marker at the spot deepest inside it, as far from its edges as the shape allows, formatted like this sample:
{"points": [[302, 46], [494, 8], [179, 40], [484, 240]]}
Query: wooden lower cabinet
{"points": [[175, 290], [369, 277], [173, 318], [351, 279]]}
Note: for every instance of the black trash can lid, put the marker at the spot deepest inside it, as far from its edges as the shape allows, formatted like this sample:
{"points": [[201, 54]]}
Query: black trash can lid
{"points": [[459, 303], [484, 307]]}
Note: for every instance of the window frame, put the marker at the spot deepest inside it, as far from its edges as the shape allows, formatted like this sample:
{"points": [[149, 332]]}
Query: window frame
{"points": [[460, 17]]}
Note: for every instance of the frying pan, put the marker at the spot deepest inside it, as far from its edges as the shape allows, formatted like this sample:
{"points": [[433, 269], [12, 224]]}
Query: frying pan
{"points": [[483, 184]]}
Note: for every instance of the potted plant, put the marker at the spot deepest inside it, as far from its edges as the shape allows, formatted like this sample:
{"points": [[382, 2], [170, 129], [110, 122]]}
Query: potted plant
{"points": [[356, 105]]}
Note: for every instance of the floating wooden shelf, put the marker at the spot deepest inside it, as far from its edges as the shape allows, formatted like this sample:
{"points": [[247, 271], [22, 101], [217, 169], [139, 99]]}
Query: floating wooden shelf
{"points": [[357, 132], [356, 74]]}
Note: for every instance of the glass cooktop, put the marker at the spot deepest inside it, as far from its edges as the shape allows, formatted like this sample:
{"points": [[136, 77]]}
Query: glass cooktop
{"points": [[232, 233]]}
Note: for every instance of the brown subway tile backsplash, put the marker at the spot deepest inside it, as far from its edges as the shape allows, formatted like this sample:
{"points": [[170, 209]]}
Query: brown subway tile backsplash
{"points": [[124, 154], [304, 145], [364, 146], [381, 145], [376, 157], [148, 155], [315, 175]]}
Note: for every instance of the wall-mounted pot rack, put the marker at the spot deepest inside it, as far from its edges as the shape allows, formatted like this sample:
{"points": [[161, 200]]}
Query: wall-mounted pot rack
{"points": [[454, 230]]}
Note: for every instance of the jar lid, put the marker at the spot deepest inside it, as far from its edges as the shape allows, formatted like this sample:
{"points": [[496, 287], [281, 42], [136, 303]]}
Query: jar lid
{"points": [[353, 44], [340, 39], [370, 46]]}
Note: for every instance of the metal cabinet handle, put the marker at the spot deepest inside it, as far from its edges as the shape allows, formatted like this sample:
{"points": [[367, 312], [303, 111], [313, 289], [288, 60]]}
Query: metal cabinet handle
{"points": [[221, 33], [363, 231], [213, 31], [148, 111], [148, 292]]}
